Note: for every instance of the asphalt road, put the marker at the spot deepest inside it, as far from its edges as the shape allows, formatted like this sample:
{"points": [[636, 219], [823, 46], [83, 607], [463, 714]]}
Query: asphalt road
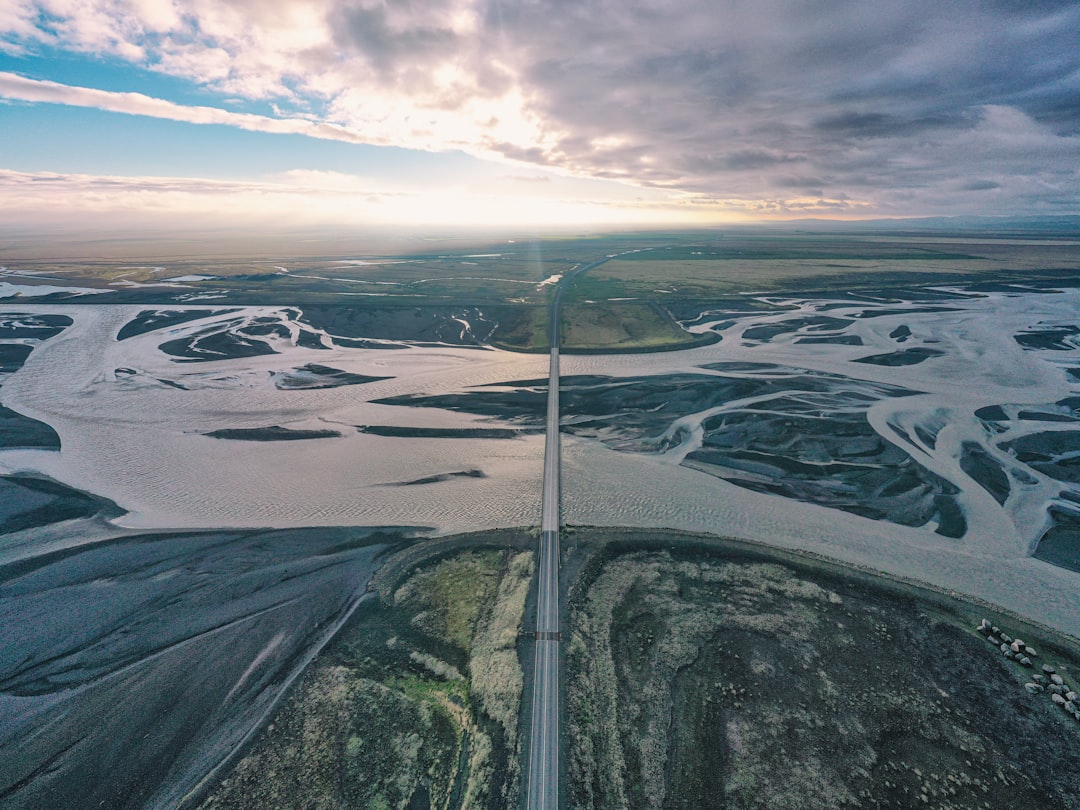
{"points": [[544, 750], [543, 775]]}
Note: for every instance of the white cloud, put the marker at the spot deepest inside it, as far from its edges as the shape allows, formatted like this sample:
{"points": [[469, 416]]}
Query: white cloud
{"points": [[17, 87], [17, 21], [294, 199], [874, 101]]}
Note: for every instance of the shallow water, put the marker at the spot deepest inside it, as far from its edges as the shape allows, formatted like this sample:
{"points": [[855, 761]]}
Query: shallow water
{"points": [[130, 667], [115, 629], [132, 425], [133, 419], [982, 363]]}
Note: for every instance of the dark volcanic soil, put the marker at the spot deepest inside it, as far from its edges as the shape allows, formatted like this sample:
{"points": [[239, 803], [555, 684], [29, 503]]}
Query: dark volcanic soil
{"points": [[274, 433], [18, 432], [715, 679], [28, 501]]}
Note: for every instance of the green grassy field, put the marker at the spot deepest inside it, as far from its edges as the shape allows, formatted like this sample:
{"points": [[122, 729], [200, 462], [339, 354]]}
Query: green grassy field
{"points": [[522, 329], [616, 326], [733, 266]]}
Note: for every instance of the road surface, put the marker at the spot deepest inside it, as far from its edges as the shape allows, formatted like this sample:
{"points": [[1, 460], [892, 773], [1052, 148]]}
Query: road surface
{"points": [[543, 775], [544, 751]]}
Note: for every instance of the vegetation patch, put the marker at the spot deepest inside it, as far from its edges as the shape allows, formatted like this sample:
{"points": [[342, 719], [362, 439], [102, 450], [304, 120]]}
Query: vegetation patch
{"points": [[414, 705], [522, 329], [624, 326], [706, 676]]}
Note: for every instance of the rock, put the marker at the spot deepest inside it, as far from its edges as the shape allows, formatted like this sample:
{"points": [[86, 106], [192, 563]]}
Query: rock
{"points": [[1039, 678], [1030, 650], [1070, 707], [1004, 647], [1058, 699], [1009, 654], [1057, 679], [995, 629], [1070, 695], [984, 626], [1049, 670], [1024, 661], [1033, 688], [1016, 647], [993, 639], [1057, 690], [1006, 638]]}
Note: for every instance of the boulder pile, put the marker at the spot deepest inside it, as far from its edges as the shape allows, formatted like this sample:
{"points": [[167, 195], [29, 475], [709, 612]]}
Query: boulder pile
{"points": [[1050, 682]]}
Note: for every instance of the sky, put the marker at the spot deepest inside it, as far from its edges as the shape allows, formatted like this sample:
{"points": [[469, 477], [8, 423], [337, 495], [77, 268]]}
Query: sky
{"points": [[132, 113]]}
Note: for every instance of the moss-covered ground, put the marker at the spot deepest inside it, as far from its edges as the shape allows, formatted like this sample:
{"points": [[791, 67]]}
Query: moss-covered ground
{"points": [[414, 705], [622, 326], [712, 674]]}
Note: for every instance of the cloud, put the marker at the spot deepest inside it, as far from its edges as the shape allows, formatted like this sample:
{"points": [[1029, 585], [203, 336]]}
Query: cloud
{"points": [[295, 198], [17, 87], [866, 97], [879, 106]]}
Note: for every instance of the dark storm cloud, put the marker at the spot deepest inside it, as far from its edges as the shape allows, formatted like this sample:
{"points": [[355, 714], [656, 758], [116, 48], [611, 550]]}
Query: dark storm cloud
{"points": [[891, 103], [405, 43], [883, 125], [369, 30], [979, 185]]}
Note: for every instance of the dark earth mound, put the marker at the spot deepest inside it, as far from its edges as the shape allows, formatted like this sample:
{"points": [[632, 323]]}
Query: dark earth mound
{"points": [[1051, 339], [904, 357], [274, 433], [435, 479], [395, 431], [12, 356], [22, 432], [16, 325], [215, 345], [150, 320], [314, 376], [29, 502], [1060, 544]]}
